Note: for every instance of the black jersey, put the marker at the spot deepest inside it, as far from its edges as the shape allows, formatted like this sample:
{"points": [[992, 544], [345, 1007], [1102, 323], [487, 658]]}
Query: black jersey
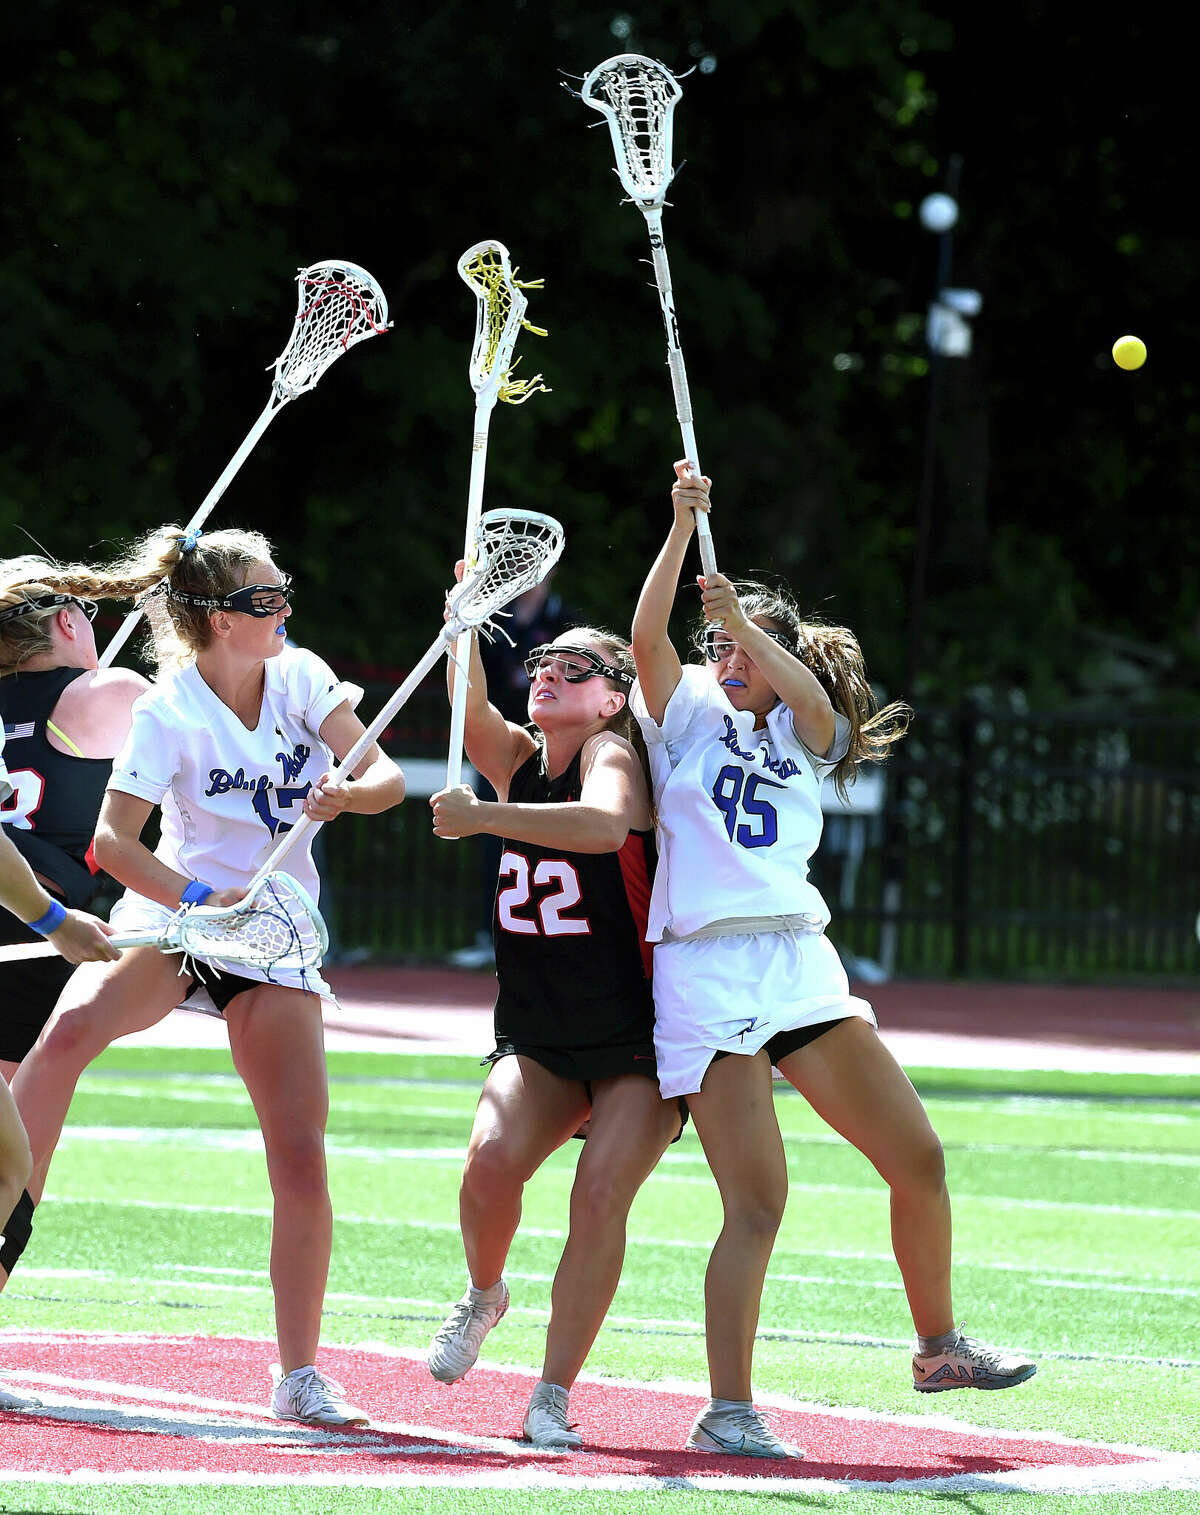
{"points": [[572, 961], [51, 815]]}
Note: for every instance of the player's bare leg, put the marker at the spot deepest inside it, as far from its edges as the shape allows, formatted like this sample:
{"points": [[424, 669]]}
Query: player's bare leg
{"points": [[734, 1116], [630, 1129], [524, 1113], [276, 1037], [101, 1002], [855, 1084]]}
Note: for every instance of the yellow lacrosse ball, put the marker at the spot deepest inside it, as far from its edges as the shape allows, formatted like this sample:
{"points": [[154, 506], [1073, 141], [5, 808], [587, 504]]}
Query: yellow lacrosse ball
{"points": [[1129, 352]]}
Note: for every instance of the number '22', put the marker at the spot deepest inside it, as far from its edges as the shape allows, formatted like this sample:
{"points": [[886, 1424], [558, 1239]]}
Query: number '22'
{"points": [[735, 793]]}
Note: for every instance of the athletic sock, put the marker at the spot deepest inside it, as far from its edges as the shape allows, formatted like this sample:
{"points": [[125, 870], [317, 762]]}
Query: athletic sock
{"points": [[930, 1346], [489, 1295], [722, 1405]]}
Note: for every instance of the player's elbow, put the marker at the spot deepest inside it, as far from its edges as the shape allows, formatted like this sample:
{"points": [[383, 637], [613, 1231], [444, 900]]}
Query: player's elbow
{"points": [[610, 834], [107, 848]]}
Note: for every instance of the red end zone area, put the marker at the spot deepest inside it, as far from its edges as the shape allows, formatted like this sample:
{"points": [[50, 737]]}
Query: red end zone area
{"points": [[185, 1409]]}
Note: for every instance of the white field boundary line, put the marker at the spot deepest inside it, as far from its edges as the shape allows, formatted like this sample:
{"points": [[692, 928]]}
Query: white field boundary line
{"points": [[231, 1099], [1042, 1274], [668, 1386], [692, 1388], [251, 1141], [1177, 1474], [220, 1280], [1169, 1471]]}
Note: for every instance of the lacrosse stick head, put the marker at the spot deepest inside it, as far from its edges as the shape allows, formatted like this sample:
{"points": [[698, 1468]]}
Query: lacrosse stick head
{"points": [[638, 97], [275, 927], [499, 316], [338, 305], [513, 550]]}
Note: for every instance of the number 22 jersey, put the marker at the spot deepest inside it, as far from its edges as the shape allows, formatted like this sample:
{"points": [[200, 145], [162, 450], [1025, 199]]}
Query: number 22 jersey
{"points": [[572, 963]]}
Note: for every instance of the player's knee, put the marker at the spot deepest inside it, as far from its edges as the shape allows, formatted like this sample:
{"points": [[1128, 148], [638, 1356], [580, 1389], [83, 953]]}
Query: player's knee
{"points": [[758, 1214], [69, 1040], [296, 1163], [923, 1166], [597, 1201], [17, 1230], [491, 1167]]}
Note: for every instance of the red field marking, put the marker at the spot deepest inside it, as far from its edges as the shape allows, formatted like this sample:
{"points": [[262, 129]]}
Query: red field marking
{"points": [[174, 1408]]}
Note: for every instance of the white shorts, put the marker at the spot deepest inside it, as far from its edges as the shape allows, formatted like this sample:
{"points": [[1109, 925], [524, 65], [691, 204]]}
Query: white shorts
{"points": [[134, 912], [734, 993]]}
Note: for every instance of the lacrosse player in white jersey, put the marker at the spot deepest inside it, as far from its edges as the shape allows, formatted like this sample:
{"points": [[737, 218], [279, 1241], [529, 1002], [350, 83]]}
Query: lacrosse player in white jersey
{"points": [[233, 744], [744, 976]]}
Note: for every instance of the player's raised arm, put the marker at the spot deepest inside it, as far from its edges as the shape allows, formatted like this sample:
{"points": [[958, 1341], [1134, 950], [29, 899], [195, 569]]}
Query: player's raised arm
{"points": [[658, 666]]}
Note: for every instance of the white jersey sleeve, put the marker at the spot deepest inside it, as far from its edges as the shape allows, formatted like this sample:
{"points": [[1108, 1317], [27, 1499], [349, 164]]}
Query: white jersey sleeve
{"points": [[739, 811], [227, 792]]}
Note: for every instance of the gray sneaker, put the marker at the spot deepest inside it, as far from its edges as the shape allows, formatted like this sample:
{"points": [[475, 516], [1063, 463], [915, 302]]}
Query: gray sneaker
{"points": [[546, 1423], [308, 1396], [455, 1348], [968, 1364], [741, 1432]]}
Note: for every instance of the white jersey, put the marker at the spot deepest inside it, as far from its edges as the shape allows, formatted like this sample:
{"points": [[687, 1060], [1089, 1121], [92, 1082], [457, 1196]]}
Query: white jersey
{"points": [[739, 813], [227, 794]]}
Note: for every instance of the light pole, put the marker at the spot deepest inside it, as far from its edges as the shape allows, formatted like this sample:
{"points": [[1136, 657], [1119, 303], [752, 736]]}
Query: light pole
{"points": [[947, 335]]}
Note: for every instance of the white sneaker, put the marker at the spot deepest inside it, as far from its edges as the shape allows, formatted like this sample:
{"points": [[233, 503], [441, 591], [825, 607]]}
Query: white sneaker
{"points": [[304, 1394], [741, 1432], [455, 1348], [10, 1401], [968, 1364], [546, 1423]]}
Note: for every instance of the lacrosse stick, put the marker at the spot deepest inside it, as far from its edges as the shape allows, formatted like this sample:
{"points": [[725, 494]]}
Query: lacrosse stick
{"points": [[274, 926], [638, 97], [499, 316], [339, 305], [512, 551]]}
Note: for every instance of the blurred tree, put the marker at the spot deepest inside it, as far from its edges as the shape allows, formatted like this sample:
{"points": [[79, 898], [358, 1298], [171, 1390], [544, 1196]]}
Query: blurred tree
{"points": [[174, 165]]}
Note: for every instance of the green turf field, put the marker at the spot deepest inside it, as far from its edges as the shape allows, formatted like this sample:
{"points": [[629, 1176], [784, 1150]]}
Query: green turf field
{"points": [[1077, 1226]]}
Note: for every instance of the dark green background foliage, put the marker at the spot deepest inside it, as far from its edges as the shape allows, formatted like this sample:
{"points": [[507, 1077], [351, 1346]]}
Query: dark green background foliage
{"points": [[170, 166]]}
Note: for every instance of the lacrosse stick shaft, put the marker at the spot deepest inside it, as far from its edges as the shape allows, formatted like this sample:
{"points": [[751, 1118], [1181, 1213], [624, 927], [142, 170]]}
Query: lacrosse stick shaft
{"points": [[18, 952], [679, 382], [352, 759], [484, 406], [129, 624]]}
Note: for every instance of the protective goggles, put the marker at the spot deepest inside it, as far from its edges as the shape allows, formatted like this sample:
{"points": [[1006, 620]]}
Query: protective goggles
{"points": [[48, 602], [260, 600], [575, 664], [718, 644]]}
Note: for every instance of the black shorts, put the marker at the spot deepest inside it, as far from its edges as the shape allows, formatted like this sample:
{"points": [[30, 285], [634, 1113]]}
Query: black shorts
{"points": [[584, 1065], [599, 1063], [29, 991], [783, 1043], [221, 987]]}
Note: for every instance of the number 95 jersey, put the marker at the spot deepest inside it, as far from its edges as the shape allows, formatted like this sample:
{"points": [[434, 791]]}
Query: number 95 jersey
{"points": [[739, 811], [228, 793]]}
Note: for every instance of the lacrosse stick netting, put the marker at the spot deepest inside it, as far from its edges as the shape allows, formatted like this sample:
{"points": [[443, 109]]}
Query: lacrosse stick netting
{"points": [[499, 316], [638, 96], [274, 927], [338, 306], [500, 306], [513, 551]]}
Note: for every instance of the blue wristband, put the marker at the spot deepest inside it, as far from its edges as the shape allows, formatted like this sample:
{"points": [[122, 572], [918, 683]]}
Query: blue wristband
{"points": [[49, 922], [195, 893]]}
